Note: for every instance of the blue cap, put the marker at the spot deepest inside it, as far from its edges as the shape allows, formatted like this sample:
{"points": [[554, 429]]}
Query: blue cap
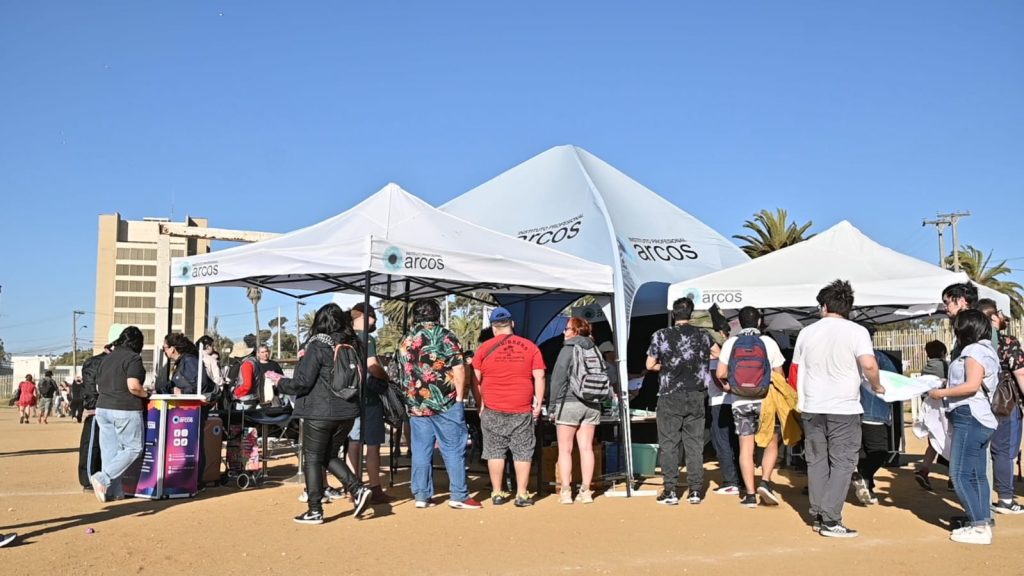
{"points": [[500, 314]]}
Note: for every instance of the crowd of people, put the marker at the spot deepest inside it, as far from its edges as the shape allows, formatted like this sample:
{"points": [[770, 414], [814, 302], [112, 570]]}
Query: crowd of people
{"points": [[40, 400], [830, 400]]}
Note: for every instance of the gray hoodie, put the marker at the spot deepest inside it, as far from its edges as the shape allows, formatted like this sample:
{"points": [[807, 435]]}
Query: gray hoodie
{"points": [[560, 373]]}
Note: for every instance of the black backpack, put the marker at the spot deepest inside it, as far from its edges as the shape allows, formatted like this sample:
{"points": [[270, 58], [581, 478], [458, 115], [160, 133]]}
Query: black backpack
{"points": [[47, 387], [347, 373]]}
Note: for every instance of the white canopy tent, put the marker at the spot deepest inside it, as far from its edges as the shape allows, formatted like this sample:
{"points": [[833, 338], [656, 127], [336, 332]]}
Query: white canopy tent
{"points": [[572, 201], [888, 286], [394, 245]]}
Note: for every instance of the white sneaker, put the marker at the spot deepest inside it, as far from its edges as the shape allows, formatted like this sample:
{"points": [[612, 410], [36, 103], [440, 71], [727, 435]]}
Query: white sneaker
{"points": [[972, 535], [728, 490]]}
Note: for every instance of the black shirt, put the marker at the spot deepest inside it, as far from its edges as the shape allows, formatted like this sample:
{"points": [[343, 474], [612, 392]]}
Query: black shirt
{"points": [[112, 380]]}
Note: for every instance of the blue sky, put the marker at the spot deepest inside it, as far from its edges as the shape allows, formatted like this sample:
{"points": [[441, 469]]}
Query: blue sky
{"points": [[272, 116]]}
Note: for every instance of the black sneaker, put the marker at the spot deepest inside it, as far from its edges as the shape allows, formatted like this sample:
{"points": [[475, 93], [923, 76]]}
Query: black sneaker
{"points": [[360, 498], [499, 498], [922, 480], [749, 500], [1001, 507], [837, 530], [695, 497], [668, 497], [767, 492], [816, 524], [310, 517]]}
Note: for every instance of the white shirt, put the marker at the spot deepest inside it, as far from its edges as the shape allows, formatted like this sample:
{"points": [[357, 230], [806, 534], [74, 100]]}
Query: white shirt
{"points": [[828, 374], [981, 407], [775, 357]]}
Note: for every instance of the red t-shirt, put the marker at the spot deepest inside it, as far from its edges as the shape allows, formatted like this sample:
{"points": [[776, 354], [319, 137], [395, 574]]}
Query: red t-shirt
{"points": [[506, 374]]}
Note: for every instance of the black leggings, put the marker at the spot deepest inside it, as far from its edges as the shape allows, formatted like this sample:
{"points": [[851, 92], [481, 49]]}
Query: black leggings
{"points": [[874, 451], [321, 442]]}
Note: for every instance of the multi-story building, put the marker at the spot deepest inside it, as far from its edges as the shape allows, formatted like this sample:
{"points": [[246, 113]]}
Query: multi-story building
{"points": [[126, 281]]}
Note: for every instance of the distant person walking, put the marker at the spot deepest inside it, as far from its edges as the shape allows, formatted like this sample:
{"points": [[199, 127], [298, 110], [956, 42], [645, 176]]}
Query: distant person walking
{"points": [[76, 399], [26, 398], [47, 389]]}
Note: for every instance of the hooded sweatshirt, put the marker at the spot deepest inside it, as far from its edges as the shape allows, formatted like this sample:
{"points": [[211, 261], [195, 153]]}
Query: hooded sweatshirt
{"points": [[563, 366]]}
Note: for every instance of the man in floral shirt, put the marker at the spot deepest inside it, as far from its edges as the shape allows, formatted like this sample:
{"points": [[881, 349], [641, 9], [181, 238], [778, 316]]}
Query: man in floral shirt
{"points": [[681, 354], [432, 371], [1006, 440]]}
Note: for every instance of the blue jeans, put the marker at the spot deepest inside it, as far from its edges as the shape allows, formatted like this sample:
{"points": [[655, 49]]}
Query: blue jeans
{"points": [[1005, 446], [449, 429], [968, 451], [723, 437], [120, 445]]}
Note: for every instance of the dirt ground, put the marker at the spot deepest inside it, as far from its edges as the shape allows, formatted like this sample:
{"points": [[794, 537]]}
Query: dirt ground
{"points": [[227, 531]]}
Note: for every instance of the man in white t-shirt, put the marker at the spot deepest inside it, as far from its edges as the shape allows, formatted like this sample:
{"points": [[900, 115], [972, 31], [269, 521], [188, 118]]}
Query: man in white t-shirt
{"points": [[830, 356], [746, 412]]}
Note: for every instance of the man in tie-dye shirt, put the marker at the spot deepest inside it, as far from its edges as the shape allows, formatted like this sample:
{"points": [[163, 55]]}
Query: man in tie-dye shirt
{"points": [[681, 355]]}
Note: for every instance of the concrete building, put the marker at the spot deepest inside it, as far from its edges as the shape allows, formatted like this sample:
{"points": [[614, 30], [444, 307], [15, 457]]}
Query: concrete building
{"points": [[126, 281]]}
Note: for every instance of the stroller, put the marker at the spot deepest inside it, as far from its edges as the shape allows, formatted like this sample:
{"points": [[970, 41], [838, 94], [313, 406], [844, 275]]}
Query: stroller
{"points": [[248, 452]]}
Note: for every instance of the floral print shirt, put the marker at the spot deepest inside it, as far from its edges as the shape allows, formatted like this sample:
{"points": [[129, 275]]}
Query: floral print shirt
{"points": [[684, 353], [427, 356], [1011, 356]]}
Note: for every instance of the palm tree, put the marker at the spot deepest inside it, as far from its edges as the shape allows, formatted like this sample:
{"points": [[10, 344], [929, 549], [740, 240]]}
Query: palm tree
{"points": [[976, 265], [771, 232]]}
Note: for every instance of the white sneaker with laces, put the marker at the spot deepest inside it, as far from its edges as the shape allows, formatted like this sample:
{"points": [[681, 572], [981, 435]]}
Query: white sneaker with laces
{"points": [[972, 535], [728, 490]]}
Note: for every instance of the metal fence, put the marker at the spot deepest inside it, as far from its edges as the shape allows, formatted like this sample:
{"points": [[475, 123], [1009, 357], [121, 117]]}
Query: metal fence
{"points": [[6, 384], [910, 343]]}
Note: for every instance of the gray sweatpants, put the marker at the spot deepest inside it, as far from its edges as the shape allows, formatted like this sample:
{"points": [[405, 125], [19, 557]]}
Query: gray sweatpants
{"points": [[832, 446]]}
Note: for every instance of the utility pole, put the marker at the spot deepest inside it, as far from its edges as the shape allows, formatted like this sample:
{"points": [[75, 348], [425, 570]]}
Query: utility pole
{"points": [[298, 337], [74, 342], [953, 218], [278, 331], [940, 225]]}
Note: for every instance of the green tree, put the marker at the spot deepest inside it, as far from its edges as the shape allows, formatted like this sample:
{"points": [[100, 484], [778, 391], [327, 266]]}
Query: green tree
{"points": [[977, 266], [3, 352], [66, 358], [222, 344], [771, 231]]}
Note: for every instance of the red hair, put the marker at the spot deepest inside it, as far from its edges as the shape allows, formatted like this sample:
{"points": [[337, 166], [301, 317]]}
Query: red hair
{"points": [[580, 326]]}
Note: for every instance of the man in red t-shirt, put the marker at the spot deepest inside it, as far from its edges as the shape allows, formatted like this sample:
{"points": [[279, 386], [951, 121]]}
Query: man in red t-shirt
{"points": [[509, 373]]}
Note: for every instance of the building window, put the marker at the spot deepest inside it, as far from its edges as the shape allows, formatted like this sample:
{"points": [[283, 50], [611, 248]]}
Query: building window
{"points": [[136, 270], [145, 302], [134, 286], [135, 318]]}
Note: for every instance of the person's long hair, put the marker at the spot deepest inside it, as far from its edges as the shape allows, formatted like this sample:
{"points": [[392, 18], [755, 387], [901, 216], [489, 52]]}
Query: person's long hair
{"points": [[130, 338], [181, 343], [332, 321]]}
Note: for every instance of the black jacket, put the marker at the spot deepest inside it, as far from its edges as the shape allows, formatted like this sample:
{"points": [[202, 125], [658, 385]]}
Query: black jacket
{"points": [[560, 373], [311, 386]]}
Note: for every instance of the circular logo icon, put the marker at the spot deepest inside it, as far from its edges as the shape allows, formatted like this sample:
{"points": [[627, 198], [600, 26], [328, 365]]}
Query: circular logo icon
{"points": [[393, 258], [175, 419], [692, 293], [184, 270]]}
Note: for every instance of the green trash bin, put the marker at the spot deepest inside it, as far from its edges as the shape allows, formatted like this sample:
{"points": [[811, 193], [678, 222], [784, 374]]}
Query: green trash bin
{"points": [[645, 459]]}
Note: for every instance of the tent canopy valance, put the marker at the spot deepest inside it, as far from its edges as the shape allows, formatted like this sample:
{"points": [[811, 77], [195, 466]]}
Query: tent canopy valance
{"points": [[394, 245], [888, 286]]}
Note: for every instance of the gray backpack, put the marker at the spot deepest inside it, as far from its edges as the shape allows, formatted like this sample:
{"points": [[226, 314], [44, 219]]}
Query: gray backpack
{"points": [[588, 379]]}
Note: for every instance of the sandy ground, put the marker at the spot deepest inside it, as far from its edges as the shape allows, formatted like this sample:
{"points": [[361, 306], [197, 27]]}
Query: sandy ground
{"points": [[227, 531]]}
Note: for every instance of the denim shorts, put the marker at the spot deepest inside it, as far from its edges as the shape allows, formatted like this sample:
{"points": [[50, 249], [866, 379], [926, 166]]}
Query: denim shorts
{"points": [[374, 426]]}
